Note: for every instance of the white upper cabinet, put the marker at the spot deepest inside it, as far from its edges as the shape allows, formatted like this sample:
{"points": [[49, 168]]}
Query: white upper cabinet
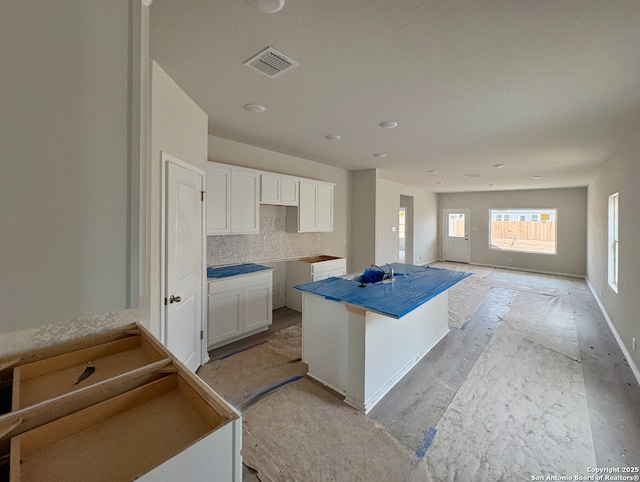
{"points": [[270, 190], [307, 209], [315, 208], [234, 195], [278, 189], [232, 200], [245, 214], [289, 191], [324, 206], [218, 200]]}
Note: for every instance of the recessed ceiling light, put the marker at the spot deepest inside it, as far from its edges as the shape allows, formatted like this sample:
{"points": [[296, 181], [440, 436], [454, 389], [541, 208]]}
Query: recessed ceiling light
{"points": [[333, 137], [537, 178], [388, 124], [255, 108], [267, 6], [499, 166], [440, 183], [433, 171], [379, 155]]}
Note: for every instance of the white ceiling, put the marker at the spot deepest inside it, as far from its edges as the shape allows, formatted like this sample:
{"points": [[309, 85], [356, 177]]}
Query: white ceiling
{"points": [[543, 86]]}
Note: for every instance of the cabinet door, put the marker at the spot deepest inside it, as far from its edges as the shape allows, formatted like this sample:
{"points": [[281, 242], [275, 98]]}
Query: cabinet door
{"points": [[270, 189], [244, 202], [325, 207], [218, 197], [307, 215], [257, 307], [289, 192], [225, 315]]}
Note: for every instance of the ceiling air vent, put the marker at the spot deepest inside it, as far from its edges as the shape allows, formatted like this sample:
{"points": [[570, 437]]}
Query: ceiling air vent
{"points": [[271, 63]]}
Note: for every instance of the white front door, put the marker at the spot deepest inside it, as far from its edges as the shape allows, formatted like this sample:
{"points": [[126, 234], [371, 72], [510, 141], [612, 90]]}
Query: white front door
{"points": [[456, 235], [184, 261]]}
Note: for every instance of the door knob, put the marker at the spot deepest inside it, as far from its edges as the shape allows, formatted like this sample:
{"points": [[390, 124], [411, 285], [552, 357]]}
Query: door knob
{"points": [[176, 299]]}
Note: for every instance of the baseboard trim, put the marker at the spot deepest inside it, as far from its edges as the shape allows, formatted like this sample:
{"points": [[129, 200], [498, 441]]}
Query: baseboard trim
{"points": [[623, 347], [516, 268]]}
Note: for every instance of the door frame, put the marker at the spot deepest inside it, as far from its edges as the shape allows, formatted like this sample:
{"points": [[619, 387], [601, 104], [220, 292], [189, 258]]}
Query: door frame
{"points": [[445, 226], [167, 158]]}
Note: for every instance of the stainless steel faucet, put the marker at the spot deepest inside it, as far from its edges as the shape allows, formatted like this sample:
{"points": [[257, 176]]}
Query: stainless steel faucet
{"points": [[386, 274]]}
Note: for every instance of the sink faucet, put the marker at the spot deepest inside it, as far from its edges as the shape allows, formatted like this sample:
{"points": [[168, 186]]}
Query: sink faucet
{"points": [[387, 274], [390, 272]]}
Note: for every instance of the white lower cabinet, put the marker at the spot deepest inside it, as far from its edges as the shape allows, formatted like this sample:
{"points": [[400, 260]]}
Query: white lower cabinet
{"points": [[310, 269], [239, 306]]}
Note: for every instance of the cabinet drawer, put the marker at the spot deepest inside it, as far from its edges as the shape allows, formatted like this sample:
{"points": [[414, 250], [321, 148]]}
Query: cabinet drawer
{"points": [[121, 438], [331, 265], [238, 282]]}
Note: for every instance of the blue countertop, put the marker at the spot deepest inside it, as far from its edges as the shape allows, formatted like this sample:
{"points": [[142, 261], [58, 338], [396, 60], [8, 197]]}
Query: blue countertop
{"points": [[234, 270], [413, 286]]}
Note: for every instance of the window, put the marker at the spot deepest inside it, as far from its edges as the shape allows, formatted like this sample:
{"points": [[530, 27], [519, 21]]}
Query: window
{"points": [[456, 225], [537, 235], [613, 242]]}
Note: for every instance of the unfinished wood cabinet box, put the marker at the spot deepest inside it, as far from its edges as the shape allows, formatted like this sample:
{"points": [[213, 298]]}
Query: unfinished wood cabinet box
{"points": [[139, 432], [141, 415], [52, 377]]}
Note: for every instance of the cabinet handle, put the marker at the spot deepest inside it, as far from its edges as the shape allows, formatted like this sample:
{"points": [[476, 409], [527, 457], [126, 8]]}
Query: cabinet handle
{"points": [[177, 299]]}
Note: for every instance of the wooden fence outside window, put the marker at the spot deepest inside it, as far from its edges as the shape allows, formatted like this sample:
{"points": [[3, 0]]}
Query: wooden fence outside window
{"points": [[532, 230]]}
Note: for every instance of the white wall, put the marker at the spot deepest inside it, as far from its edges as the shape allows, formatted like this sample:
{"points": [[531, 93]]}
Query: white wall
{"points": [[238, 154], [425, 214], [363, 215], [178, 127], [64, 98], [621, 175], [571, 227], [375, 207]]}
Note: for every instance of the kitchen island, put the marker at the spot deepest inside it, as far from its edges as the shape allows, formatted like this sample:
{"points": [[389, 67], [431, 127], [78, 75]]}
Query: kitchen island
{"points": [[360, 339]]}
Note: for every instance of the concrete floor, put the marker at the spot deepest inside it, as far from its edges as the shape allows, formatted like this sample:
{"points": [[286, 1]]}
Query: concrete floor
{"points": [[422, 396]]}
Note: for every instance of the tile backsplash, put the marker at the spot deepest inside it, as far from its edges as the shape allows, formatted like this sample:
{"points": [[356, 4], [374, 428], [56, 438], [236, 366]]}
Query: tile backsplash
{"points": [[271, 247], [273, 243]]}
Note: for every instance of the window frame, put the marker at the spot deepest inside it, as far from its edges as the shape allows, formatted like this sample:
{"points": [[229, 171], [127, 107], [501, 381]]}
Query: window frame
{"points": [[504, 214]]}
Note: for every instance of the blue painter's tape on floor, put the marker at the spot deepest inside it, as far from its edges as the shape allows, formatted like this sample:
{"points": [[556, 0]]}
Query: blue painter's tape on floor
{"points": [[431, 433], [258, 395], [464, 326], [229, 355]]}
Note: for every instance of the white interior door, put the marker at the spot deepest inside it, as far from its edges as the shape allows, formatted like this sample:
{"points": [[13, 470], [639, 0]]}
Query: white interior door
{"points": [[456, 235], [184, 261]]}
